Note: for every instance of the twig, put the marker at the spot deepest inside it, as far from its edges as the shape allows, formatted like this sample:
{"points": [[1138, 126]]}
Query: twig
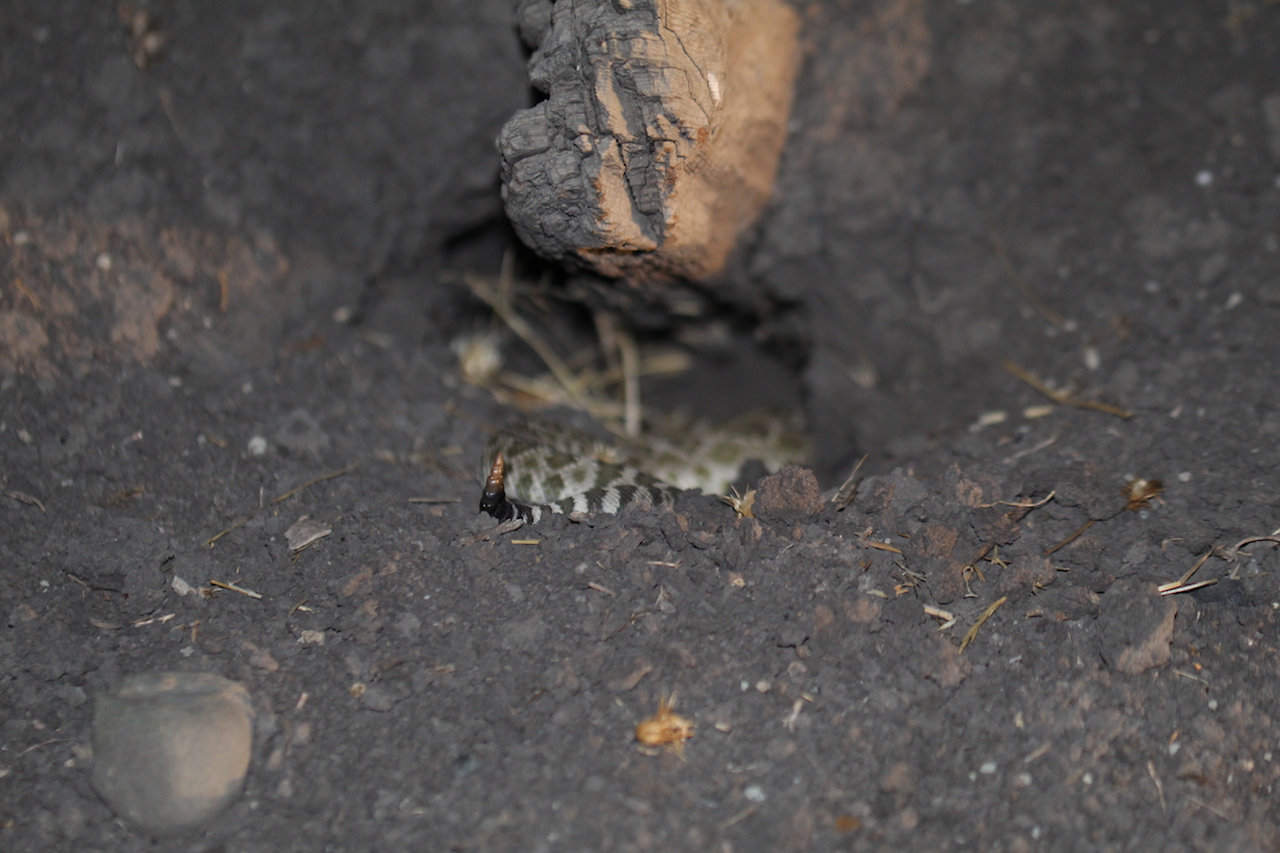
{"points": [[1063, 398], [1218, 812], [738, 818], [36, 746], [1073, 537], [1251, 539], [545, 389], [1027, 451], [235, 588], [23, 497]]}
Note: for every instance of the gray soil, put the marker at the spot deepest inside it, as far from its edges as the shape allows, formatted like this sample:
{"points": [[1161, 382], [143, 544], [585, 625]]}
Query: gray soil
{"points": [[253, 237]]}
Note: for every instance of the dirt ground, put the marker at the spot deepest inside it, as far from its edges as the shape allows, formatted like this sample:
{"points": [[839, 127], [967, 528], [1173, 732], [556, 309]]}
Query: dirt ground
{"points": [[229, 291]]}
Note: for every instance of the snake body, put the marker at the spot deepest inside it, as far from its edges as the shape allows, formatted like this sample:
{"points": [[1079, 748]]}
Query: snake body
{"points": [[532, 468]]}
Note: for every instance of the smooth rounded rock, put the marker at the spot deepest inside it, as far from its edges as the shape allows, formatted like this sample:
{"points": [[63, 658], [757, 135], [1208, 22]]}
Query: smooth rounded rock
{"points": [[170, 749]]}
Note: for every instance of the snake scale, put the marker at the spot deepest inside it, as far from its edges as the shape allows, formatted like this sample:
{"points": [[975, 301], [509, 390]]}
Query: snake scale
{"points": [[532, 468]]}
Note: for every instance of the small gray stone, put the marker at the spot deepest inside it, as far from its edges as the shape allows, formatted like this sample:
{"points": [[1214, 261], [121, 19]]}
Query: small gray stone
{"points": [[171, 748], [377, 698], [300, 433]]}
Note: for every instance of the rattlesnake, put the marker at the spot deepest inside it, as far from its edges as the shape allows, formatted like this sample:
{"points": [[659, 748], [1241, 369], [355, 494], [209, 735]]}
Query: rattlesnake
{"points": [[532, 467]]}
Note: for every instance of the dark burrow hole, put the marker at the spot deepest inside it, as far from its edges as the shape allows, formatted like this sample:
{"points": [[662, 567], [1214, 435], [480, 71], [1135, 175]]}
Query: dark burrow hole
{"points": [[727, 359]]}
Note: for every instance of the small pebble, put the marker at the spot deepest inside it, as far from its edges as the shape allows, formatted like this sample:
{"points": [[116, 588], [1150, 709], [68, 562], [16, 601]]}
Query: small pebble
{"points": [[301, 433], [171, 749], [377, 698]]}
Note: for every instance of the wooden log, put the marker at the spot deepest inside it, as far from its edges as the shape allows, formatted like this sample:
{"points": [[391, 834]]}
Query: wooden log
{"points": [[658, 143]]}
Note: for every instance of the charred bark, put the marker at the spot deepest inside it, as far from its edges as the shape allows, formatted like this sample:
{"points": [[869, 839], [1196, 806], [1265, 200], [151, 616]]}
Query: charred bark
{"points": [[659, 139]]}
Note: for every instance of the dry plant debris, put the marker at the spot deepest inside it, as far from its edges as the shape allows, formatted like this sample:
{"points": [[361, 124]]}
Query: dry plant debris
{"points": [[972, 633], [234, 588], [1183, 583], [1020, 281], [1063, 398], [665, 728], [23, 497], [209, 542], [743, 505], [1138, 494], [146, 39], [121, 497], [586, 389], [305, 531]]}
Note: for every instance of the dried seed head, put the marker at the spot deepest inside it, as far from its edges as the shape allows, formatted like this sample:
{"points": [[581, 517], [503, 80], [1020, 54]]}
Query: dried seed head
{"points": [[1139, 492], [479, 356], [665, 728]]}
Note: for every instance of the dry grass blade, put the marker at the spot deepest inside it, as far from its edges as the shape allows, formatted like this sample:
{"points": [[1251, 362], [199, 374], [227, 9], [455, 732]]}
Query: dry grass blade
{"points": [[1273, 538], [1186, 577], [1063, 398], [1022, 504], [1073, 537], [1151, 771], [500, 302], [972, 633], [946, 617], [1187, 587], [1006, 261], [1181, 585], [884, 546], [743, 505], [630, 382], [233, 588], [616, 338], [23, 497], [577, 382], [849, 488]]}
